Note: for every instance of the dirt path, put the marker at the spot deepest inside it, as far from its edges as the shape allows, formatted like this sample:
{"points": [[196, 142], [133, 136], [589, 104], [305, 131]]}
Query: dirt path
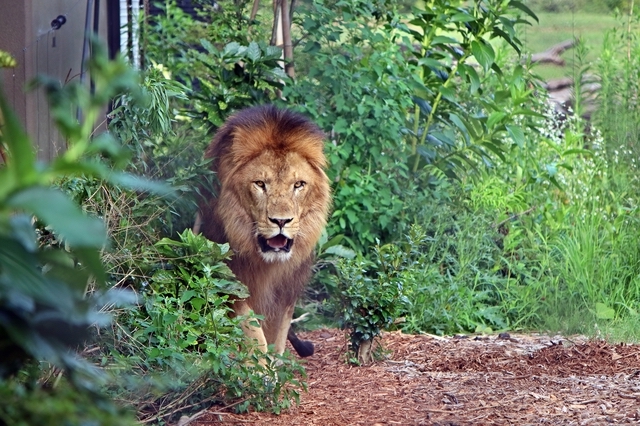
{"points": [[497, 380]]}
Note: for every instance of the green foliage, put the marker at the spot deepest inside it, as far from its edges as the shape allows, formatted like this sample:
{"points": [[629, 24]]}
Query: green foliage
{"points": [[183, 307], [45, 312], [6, 60], [150, 115], [166, 146], [26, 404], [362, 69], [216, 57], [370, 297], [577, 6], [224, 86], [450, 128], [184, 336], [536, 239], [453, 278]]}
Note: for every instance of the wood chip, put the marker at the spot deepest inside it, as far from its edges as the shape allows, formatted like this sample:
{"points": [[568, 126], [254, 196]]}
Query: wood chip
{"points": [[527, 379]]}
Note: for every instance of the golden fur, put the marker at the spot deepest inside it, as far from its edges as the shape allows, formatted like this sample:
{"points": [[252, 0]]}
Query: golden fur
{"points": [[272, 201]]}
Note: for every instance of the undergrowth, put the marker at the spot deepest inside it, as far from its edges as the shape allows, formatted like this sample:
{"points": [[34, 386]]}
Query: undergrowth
{"points": [[463, 203]]}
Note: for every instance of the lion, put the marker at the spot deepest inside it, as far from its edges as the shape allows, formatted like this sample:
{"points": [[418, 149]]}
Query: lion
{"points": [[272, 202]]}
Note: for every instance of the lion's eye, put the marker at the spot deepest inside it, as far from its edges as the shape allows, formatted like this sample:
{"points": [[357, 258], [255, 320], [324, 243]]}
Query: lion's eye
{"points": [[260, 184], [299, 184]]}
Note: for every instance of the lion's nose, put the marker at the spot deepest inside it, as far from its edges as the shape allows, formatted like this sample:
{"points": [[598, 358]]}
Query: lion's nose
{"points": [[280, 222]]}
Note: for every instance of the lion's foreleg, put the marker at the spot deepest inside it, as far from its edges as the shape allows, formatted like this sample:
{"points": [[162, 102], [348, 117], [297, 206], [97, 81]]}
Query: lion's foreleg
{"points": [[250, 326], [283, 330]]}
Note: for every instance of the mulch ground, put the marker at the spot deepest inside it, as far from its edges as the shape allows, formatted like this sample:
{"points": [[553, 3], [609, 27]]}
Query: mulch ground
{"points": [[495, 380]]}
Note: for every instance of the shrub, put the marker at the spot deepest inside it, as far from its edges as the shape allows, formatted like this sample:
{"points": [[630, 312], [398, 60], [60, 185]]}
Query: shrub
{"points": [[184, 340], [45, 311], [369, 299], [395, 122]]}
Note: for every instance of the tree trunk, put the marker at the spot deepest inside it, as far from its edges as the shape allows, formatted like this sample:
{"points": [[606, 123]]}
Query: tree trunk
{"points": [[254, 10], [364, 352], [286, 38]]}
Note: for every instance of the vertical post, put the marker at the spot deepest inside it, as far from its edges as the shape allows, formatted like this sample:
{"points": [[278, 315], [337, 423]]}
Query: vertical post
{"points": [[124, 28], [286, 39], [87, 32], [135, 33], [85, 49]]}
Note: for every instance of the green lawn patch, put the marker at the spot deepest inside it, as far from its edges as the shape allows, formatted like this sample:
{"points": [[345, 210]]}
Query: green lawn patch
{"points": [[557, 27]]}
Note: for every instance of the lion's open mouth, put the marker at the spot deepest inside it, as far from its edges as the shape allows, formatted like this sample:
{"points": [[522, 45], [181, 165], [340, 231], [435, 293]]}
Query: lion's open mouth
{"points": [[277, 243]]}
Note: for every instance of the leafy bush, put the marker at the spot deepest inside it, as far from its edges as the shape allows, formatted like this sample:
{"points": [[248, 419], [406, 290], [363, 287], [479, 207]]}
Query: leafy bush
{"points": [[216, 58], [185, 340], [369, 299], [396, 124], [45, 312], [353, 79]]}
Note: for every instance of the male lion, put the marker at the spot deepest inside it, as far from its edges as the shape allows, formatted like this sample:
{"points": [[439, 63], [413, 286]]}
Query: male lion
{"points": [[272, 202]]}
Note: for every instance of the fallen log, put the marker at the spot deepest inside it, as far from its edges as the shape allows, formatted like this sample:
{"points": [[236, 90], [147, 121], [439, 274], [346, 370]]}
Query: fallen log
{"points": [[552, 55]]}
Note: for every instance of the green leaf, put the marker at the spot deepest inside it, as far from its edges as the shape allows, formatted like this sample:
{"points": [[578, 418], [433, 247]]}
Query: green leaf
{"points": [[232, 287], [273, 52], [496, 148], [513, 41], [55, 209], [424, 106], [464, 127], [59, 266], [253, 51], [21, 273], [578, 151], [197, 303], [494, 118], [603, 311], [20, 152], [230, 49], [448, 93], [311, 48], [23, 231], [484, 54], [138, 183], [187, 295], [430, 62], [472, 75], [462, 17], [90, 260], [443, 40], [517, 134], [341, 251], [525, 9]]}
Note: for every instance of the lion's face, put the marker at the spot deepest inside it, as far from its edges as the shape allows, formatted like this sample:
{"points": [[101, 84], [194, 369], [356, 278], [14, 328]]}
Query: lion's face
{"points": [[274, 196], [276, 190]]}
